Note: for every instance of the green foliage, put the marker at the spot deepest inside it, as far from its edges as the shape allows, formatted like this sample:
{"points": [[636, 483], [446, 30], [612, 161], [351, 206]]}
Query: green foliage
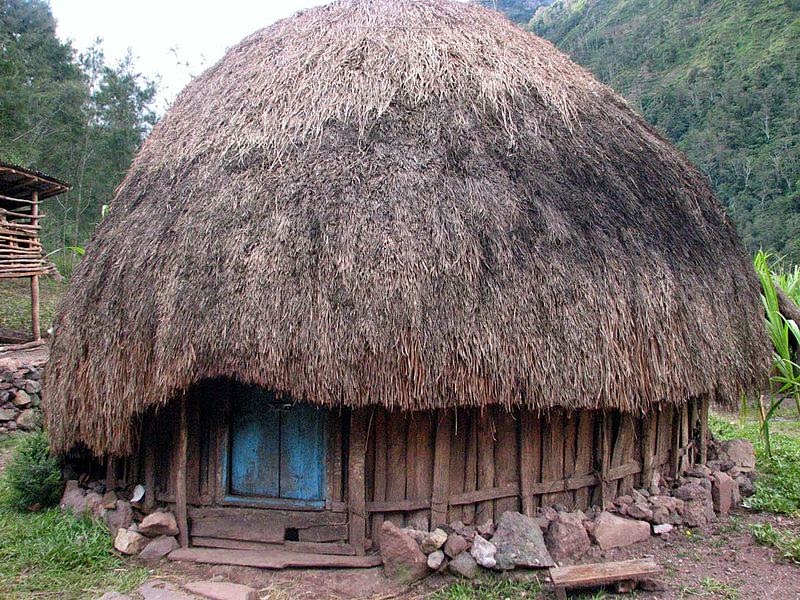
{"points": [[75, 117], [721, 79], [786, 542], [519, 11], [488, 587], [778, 483], [56, 555], [32, 478]]}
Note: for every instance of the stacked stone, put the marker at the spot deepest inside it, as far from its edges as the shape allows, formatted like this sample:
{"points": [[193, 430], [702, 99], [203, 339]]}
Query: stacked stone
{"points": [[20, 399], [556, 534], [151, 536]]}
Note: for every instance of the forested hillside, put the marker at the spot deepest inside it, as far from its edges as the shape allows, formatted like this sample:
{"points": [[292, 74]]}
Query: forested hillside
{"points": [[75, 117], [718, 77]]}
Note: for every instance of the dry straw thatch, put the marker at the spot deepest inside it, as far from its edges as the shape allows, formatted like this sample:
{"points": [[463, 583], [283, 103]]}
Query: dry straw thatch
{"points": [[412, 203]]}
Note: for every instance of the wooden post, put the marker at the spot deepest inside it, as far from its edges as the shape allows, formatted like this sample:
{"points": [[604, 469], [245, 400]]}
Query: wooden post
{"points": [[35, 326], [356, 502], [180, 476], [111, 473], [529, 458], [484, 512], [441, 467], [704, 430], [649, 449], [149, 470]]}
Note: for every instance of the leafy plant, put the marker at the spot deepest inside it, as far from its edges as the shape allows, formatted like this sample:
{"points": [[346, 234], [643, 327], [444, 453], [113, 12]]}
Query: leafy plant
{"points": [[32, 479], [783, 333], [786, 542]]}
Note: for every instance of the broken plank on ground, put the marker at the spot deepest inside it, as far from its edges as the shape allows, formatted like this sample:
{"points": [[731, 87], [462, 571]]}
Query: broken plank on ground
{"points": [[598, 574]]}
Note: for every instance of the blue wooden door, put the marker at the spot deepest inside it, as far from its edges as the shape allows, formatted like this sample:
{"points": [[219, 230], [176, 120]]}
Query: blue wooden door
{"points": [[277, 451]]}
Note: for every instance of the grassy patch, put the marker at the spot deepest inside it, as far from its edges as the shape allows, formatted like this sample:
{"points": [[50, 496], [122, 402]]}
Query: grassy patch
{"points": [[778, 484], [710, 587], [786, 542], [54, 555], [489, 587], [15, 303]]}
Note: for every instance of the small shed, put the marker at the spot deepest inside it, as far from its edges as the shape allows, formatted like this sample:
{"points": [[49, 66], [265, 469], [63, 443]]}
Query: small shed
{"points": [[399, 259], [21, 191]]}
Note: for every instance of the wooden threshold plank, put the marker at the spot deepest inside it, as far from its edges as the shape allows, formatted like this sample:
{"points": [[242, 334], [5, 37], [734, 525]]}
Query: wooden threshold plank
{"points": [[315, 547], [272, 559]]}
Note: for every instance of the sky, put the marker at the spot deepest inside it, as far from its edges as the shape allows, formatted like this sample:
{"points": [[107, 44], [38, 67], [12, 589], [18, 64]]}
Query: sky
{"points": [[172, 40]]}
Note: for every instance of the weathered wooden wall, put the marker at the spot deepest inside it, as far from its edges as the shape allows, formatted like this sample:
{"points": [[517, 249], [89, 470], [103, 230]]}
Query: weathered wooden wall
{"points": [[419, 469]]}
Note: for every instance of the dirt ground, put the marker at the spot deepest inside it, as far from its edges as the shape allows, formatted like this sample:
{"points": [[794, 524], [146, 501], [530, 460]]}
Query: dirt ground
{"points": [[721, 561]]}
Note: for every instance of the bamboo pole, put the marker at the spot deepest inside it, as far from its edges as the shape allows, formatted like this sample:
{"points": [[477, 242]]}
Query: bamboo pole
{"points": [[35, 325]]}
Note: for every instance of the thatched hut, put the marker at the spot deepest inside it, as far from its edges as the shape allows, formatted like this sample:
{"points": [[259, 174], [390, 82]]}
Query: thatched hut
{"points": [[399, 260]]}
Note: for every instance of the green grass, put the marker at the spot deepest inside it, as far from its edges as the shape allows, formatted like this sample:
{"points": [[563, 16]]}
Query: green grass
{"points": [[489, 587], [55, 555], [710, 587], [778, 484], [15, 303]]}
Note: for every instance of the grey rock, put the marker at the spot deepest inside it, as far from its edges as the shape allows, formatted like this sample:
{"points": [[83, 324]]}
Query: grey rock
{"points": [[455, 545], [222, 590], [640, 511], [159, 547], [692, 491], [73, 499], [27, 420], [32, 386], [611, 531], [746, 486], [21, 399], [486, 530], [436, 560], [464, 565], [403, 561], [7, 414], [159, 589], [662, 529], [94, 505], [740, 452], [159, 523], [520, 543], [483, 551], [414, 534], [120, 517], [129, 542], [433, 541], [698, 513], [722, 492], [567, 537], [660, 515]]}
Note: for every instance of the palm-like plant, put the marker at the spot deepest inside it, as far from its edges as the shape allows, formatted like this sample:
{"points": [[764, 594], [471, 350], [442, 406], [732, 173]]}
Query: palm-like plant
{"points": [[784, 333]]}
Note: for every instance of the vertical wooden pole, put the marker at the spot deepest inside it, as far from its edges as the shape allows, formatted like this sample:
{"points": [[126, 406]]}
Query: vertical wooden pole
{"points": [[704, 430], [149, 469], [584, 455], [441, 467], [356, 502], [381, 466], [506, 455], [35, 326], [111, 473], [180, 476], [649, 435], [485, 510], [530, 458]]}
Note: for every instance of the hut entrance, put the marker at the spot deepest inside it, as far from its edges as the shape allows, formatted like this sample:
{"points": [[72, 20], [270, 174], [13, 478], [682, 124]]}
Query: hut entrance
{"points": [[277, 452]]}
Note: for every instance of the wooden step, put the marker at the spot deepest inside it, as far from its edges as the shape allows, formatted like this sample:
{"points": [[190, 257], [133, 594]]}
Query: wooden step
{"points": [[272, 559], [598, 574]]}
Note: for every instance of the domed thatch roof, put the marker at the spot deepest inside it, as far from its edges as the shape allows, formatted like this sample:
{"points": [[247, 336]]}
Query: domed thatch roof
{"points": [[406, 202]]}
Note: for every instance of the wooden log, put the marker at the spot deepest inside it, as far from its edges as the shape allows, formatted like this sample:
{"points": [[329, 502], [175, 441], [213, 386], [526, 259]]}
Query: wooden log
{"points": [[570, 452], [324, 533], [401, 506], [35, 325], [600, 574], [356, 501], [273, 559], [458, 460], [471, 466], [441, 467], [111, 473], [422, 425], [181, 448], [506, 455], [530, 458], [553, 454], [381, 466], [257, 524], [704, 430], [484, 511], [584, 455], [649, 447], [149, 469], [685, 436], [622, 453], [337, 471], [602, 435], [397, 427]]}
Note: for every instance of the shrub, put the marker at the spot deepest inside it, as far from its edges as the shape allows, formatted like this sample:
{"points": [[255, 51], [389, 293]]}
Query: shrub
{"points": [[32, 478]]}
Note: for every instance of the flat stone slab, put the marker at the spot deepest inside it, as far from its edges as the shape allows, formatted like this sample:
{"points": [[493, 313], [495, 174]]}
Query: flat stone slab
{"points": [[163, 590], [222, 590], [273, 559]]}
